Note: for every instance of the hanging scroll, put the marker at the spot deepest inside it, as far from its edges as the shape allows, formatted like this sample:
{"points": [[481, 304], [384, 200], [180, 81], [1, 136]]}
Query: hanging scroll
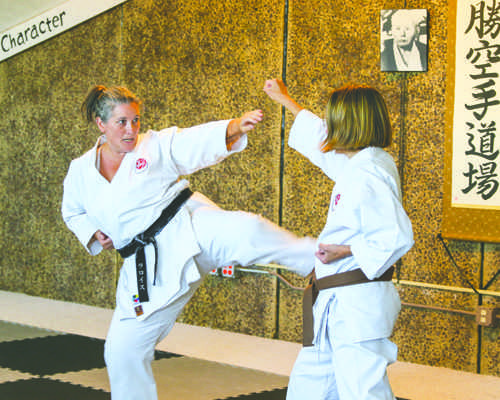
{"points": [[471, 181]]}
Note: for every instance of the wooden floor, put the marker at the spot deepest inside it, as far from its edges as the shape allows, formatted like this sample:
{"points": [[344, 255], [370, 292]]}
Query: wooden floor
{"points": [[62, 345]]}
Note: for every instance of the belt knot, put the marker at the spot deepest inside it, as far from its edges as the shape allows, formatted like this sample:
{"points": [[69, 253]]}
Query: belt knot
{"points": [[143, 239]]}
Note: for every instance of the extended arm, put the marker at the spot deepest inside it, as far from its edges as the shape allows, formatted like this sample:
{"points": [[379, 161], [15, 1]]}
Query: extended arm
{"points": [[308, 131], [240, 126], [277, 91], [202, 146]]}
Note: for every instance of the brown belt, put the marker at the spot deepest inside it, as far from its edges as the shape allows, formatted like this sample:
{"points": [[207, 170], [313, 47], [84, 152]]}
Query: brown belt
{"points": [[311, 293]]}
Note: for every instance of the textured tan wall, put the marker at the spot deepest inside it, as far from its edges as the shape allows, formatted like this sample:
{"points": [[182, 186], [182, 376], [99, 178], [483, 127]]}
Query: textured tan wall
{"points": [[191, 63]]}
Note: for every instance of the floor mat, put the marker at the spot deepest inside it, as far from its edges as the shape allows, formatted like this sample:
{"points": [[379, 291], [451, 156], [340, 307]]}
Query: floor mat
{"points": [[46, 365], [46, 389], [54, 354], [40, 364]]}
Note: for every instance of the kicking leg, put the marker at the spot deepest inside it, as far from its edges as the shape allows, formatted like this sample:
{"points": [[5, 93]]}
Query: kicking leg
{"points": [[242, 238]]}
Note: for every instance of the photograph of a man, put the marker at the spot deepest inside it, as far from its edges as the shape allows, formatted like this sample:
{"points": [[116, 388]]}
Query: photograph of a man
{"points": [[403, 40]]}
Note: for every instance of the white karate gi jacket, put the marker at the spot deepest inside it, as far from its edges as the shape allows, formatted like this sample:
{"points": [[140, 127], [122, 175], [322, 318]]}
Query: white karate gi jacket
{"points": [[146, 182], [366, 213]]}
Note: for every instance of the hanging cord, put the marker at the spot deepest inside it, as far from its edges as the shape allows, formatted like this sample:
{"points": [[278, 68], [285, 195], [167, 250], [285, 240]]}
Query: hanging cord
{"points": [[281, 278], [492, 280], [464, 278], [267, 272]]}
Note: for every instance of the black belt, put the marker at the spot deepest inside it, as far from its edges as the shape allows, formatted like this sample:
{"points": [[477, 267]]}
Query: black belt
{"points": [[353, 277], [138, 243]]}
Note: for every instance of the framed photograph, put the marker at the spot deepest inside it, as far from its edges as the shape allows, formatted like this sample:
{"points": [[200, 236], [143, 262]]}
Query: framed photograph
{"points": [[403, 40]]}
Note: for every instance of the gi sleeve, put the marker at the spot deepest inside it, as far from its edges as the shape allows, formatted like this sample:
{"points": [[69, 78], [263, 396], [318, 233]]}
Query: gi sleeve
{"points": [[202, 146], [74, 213], [306, 136], [386, 231]]}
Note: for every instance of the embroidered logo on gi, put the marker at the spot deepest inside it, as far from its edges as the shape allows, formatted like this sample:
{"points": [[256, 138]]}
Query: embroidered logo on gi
{"points": [[333, 204], [141, 165], [135, 298]]}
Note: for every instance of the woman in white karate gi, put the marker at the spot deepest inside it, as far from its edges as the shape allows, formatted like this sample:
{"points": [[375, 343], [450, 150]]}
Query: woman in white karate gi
{"points": [[366, 232], [115, 195]]}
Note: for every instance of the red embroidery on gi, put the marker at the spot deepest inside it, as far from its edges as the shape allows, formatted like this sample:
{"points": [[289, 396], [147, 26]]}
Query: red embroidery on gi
{"points": [[141, 164], [337, 198]]}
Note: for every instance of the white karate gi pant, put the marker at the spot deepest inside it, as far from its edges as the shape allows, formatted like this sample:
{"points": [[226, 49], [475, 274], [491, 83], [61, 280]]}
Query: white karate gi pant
{"points": [[225, 238], [349, 371]]}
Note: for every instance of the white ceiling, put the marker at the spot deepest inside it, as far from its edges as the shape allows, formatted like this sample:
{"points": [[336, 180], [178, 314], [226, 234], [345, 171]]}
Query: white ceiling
{"points": [[14, 12]]}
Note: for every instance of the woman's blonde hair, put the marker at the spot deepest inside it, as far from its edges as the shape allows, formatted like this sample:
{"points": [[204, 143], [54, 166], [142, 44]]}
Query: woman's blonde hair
{"points": [[101, 100], [357, 117]]}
